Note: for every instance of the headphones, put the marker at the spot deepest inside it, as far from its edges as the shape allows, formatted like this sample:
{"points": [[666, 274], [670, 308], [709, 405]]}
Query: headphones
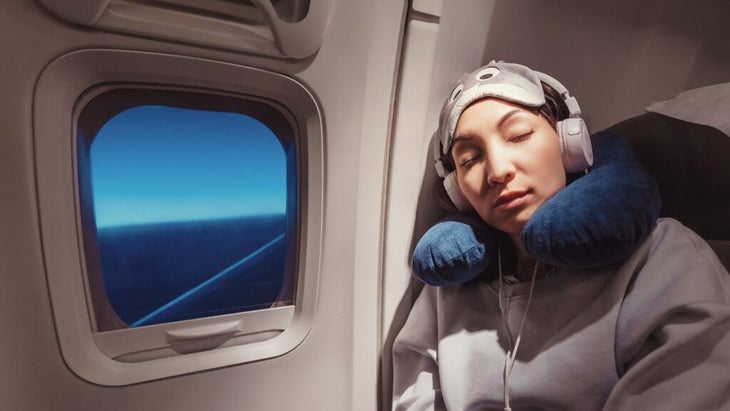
{"points": [[518, 84]]}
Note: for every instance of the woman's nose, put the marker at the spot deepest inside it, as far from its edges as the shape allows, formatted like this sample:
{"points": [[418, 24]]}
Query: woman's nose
{"points": [[499, 170]]}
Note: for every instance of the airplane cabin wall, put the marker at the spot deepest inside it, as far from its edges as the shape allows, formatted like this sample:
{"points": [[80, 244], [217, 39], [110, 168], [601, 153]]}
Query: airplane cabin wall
{"points": [[335, 368]]}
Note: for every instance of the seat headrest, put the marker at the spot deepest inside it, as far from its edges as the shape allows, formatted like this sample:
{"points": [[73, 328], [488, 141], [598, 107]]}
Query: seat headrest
{"points": [[691, 163]]}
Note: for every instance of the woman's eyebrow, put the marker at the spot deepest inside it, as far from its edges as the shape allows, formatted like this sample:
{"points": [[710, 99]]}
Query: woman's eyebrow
{"points": [[507, 116], [500, 123], [460, 138]]}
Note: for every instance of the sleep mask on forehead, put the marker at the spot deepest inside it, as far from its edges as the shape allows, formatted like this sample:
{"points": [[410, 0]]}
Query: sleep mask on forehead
{"points": [[506, 81]]}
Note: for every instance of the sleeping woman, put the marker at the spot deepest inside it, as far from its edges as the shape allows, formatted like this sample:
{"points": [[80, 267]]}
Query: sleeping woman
{"points": [[648, 332]]}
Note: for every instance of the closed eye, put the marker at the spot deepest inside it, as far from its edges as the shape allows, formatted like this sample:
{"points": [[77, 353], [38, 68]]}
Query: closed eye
{"points": [[468, 161], [521, 137]]}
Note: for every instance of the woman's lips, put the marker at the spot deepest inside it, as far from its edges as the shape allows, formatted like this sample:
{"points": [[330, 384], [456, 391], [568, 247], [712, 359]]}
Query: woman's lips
{"points": [[510, 200]]}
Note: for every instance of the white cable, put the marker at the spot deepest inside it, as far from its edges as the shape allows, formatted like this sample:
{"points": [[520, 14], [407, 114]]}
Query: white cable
{"points": [[509, 361]]}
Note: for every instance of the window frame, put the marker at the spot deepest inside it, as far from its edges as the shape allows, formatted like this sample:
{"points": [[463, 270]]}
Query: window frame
{"points": [[133, 355]]}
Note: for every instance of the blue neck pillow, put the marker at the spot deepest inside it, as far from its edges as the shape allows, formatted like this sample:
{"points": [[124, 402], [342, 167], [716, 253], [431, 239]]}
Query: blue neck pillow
{"points": [[598, 219]]}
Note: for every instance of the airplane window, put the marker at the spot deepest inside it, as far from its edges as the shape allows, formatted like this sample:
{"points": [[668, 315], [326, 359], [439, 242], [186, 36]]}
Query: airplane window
{"points": [[181, 211], [189, 214]]}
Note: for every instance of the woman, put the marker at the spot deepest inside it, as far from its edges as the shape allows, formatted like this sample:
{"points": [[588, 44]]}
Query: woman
{"points": [[650, 333]]}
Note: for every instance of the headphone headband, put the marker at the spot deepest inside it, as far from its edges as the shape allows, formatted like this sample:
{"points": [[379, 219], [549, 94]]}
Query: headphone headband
{"points": [[570, 101]]}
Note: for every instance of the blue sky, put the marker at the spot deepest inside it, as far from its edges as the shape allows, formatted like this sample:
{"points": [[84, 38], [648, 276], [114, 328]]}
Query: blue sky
{"points": [[161, 164]]}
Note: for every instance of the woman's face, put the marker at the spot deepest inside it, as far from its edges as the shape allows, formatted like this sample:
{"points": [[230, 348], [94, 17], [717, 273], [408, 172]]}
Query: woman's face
{"points": [[508, 162]]}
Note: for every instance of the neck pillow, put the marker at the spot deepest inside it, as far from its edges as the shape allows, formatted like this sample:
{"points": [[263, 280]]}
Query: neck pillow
{"points": [[598, 219]]}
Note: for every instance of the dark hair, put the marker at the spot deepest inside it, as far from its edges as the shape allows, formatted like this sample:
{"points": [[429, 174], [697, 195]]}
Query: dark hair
{"points": [[553, 110]]}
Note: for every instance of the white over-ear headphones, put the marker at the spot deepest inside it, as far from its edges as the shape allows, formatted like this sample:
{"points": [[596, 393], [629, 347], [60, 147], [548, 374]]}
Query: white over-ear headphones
{"points": [[518, 84]]}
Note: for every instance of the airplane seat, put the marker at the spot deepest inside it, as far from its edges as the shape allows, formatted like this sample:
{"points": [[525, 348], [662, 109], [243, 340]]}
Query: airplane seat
{"points": [[690, 162]]}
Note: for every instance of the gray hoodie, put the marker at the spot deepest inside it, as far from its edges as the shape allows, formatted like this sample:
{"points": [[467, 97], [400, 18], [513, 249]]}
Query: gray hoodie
{"points": [[652, 334]]}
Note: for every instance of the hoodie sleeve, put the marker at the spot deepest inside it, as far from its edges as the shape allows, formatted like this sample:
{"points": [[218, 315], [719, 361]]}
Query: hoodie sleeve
{"points": [[416, 384], [673, 330]]}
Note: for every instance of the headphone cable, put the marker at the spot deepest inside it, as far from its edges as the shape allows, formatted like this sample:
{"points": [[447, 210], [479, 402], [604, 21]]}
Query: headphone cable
{"points": [[509, 361]]}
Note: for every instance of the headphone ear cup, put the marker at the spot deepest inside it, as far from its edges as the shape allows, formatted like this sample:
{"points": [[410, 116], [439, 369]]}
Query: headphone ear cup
{"points": [[455, 194], [575, 144]]}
